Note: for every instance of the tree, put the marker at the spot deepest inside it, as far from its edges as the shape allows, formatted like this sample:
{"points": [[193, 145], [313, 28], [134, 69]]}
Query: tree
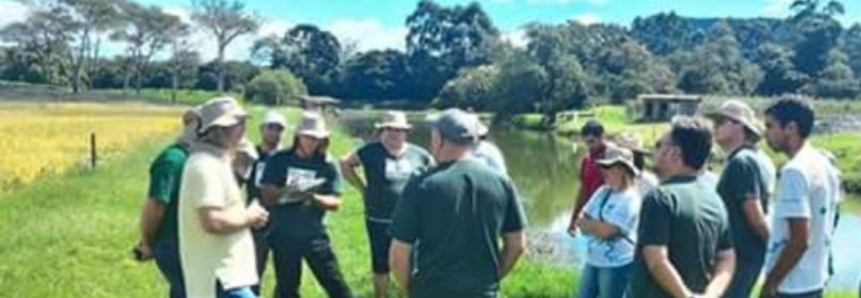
{"points": [[275, 87], [45, 35], [225, 21], [310, 53], [442, 40], [852, 47], [473, 88], [90, 18], [378, 75], [815, 19], [836, 81], [780, 75], [519, 86], [147, 31], [183, 60]]}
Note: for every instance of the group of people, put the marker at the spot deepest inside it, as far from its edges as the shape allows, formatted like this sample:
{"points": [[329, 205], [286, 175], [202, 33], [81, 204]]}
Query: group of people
{"points": [[449, 222], [689, 236], [444, 224]]}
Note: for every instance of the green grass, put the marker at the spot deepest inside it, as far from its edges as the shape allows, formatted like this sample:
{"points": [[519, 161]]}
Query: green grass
{"points": [[184, 96]]}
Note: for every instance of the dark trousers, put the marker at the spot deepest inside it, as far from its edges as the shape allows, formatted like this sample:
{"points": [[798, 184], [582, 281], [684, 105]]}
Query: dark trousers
{"points": [[166, 254], [744, 279], [261, 249], [288, 254]]}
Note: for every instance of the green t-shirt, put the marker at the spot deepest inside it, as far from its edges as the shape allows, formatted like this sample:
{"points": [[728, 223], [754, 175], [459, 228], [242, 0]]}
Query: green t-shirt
{"points": [[165, 175], [691, 222], [300, 219], [387, 175], [741, 177], [454, 215]]}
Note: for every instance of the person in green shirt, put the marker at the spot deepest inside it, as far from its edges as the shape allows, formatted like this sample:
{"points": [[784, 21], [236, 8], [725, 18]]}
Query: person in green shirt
{"points": [[388, 165], [449, 221], [744, 188], [300, 185], [684, 247], [158, 223]]}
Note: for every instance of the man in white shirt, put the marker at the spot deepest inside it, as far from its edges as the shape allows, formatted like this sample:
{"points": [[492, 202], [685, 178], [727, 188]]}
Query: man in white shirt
{"points": [[799, 244], [216, 247]]}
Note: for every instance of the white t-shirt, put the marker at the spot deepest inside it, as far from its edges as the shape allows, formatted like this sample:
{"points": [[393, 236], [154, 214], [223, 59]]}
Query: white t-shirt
{"points": [[207, 181], [488, 153], [622, 210], [647, 182], [808, 188]]}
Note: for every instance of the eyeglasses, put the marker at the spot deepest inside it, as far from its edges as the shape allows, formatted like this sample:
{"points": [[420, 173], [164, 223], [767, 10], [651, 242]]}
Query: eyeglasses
{"points": [[396, 129]]}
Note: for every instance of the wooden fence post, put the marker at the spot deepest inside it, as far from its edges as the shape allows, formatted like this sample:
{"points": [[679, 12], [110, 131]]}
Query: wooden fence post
{"points": [[93, 152]]}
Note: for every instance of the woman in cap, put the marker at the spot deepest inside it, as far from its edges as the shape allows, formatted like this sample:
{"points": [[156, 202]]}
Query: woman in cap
{"points": [[300, 185], [388, 164], [610, 221]]}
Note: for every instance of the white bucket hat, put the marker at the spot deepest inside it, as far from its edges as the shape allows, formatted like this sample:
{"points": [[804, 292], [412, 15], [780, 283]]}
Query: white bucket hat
{"points": [[274, 117], [220, 112], [618, 155], [394, 119], [313, 125]]}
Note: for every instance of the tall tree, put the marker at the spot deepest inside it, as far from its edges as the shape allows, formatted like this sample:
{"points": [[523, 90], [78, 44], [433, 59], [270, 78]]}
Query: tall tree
{"points": [[815, 19], [308, 52], [147, 31], [377, 74], [225, 21], [46, 34], [183, 60], [90, 18], [442, 40]]}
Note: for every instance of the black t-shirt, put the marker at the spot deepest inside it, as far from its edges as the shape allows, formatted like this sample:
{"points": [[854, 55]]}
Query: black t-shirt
{"points": [[387, 175]]}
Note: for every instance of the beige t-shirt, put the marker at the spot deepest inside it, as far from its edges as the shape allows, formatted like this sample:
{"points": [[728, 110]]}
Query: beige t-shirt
{"points": [[208, 181]]}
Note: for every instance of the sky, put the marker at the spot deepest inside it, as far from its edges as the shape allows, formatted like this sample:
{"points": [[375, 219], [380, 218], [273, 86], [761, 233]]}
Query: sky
{"points": [[379, 24]]}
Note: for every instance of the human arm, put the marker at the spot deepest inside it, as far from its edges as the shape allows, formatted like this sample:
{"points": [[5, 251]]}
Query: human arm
{"points": [[348, 167]]}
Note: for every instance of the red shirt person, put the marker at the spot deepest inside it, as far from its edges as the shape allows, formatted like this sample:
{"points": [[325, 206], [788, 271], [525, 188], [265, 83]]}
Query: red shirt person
{"points": [[590, 173]]}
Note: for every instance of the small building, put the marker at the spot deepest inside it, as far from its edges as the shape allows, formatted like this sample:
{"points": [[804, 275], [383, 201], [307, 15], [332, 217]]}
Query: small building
{"points": [[663, 107], [321, 104]]}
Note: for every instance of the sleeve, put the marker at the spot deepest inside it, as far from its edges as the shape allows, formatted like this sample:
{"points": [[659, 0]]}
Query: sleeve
{"points": [[200, 186], [332, 174], [362, 154], [655, 220], [407, 215], [749, 182], [624, 216], [274, 172], [592, 206], [515, 218], [725, 239], [793, 201], [163, 175]]}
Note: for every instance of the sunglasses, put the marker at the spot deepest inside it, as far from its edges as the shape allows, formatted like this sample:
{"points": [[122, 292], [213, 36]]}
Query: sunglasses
{"points": [[275, 127]]}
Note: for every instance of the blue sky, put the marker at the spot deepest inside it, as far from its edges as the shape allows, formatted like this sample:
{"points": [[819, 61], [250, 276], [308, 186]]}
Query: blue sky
{"points": [[373, 24]]}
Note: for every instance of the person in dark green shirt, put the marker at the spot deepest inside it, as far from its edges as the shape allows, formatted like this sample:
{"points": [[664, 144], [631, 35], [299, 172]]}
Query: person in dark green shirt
{"points": [[744, 188], [684, 247], [388, 165], [451, 218], [159, 230], [300, 185]]}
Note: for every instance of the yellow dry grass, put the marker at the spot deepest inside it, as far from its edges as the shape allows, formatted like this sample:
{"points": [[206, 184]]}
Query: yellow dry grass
{"points": [[50, 138]]}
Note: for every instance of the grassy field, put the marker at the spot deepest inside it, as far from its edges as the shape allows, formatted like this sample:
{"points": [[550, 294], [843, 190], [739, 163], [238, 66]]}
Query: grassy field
{"points": [[50, 138], [70, 235]]}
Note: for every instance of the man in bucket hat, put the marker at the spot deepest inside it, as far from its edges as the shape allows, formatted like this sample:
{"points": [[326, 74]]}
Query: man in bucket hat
{"points": [[388, 165], [159, 235], [216, 246], [449, 220], [488, 152], [744, 188], [300, 186]]}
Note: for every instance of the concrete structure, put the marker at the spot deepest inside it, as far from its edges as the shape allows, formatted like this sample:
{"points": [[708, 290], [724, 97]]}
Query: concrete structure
{"points": [[663, 107]]}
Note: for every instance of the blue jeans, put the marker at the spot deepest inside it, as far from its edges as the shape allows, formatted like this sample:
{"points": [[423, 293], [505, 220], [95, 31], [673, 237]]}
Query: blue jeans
{"points": [[600, 282], [241, 292], [745, 277], [166, 253]]}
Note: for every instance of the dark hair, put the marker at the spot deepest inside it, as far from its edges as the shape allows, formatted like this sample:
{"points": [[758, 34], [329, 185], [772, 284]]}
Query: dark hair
{"points": [[639, 160], [322, 148], [694, 138], [793, 108], [592, 127]]}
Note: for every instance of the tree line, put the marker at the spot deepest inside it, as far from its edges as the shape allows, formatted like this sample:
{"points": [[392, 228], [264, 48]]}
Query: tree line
{"points": [[454, 56]]}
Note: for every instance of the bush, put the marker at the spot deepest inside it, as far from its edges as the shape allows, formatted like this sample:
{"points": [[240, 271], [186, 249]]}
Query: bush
{"points": [[275, 87]]}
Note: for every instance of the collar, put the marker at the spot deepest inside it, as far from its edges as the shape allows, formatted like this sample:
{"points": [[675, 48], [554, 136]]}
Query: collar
{"points": [[680, 179]]}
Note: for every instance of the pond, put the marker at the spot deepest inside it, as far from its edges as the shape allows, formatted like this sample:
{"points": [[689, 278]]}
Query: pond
{"points": [[544, 168]]}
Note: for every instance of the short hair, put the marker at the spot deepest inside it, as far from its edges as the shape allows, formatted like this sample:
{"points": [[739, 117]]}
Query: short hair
{"points": [[793, 108], [592, 127], [694, 138]]}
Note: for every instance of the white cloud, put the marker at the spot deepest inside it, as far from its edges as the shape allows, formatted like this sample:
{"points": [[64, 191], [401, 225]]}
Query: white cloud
{"points": [[369, 34], [776, 8], [12, 11], [517, 38], [587, 19]]}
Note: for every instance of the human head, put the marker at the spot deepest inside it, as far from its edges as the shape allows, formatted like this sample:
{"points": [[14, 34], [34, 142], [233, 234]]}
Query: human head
{"points": [[311, 135], [683, 149], [221, 122], [617, 167], [735, 123], [453, 133], [631, 141], [593, 134], [272, 127], [394, 128], [245, 156], [789, 122]]}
